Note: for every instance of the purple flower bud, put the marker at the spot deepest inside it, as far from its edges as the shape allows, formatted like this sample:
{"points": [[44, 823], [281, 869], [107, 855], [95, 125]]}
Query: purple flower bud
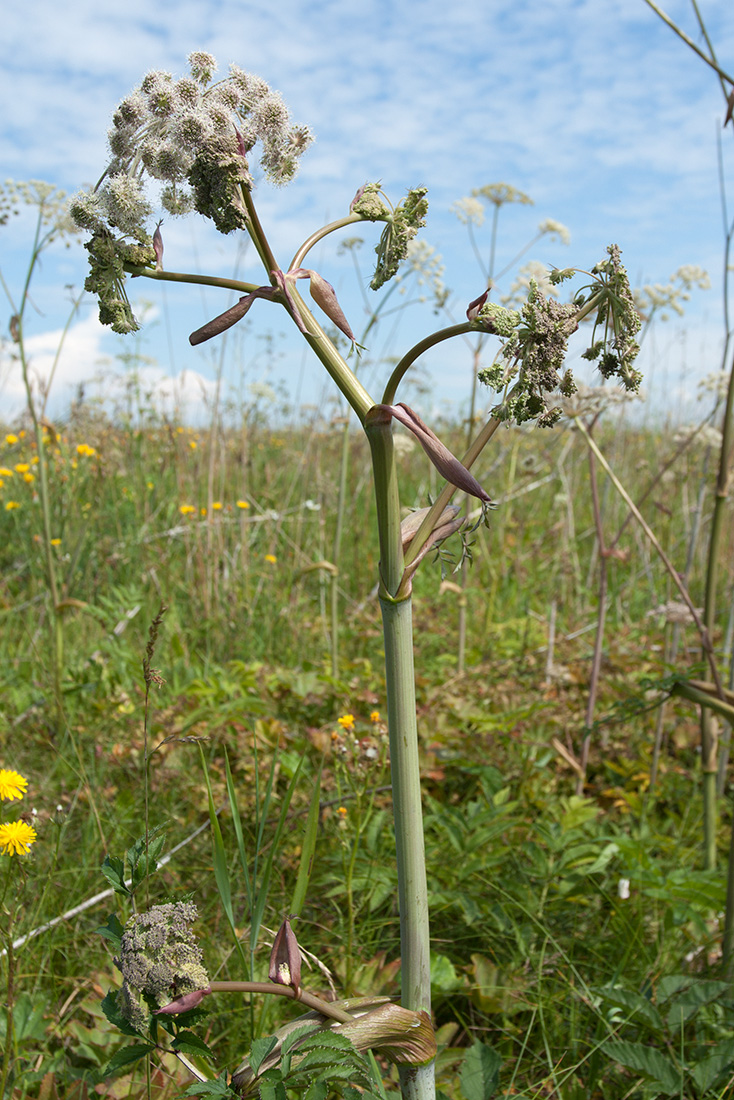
{"points": [[230, 316], [158, 247], [185, 1003], [474, 307], [285, 959], [240, 143], [441, 457], [357, 197], [325, 297]]}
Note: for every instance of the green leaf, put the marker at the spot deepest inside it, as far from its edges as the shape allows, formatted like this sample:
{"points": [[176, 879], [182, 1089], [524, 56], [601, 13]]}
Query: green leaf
{"points": [[719, 1058], [142, 856], [690, 1000], [28, 1021], [127, 1056], [112, 1012], [219, 858], [648, 1061], [317, 1090], [308, 847], [111, 931], [671, 985], [271, 1086], [480, 1072], [113, 870], [216, 1087], [443, 973], [237, 824], [189, 1043], [261, 1048], [641, 1011]]}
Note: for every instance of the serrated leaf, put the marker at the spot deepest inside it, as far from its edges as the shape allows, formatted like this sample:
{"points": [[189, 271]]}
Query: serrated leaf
{"points": [[640, 1009], [112, 1012], [271, 1086], [306, 1039], [111, 931], [127, 1056], [216, 1087], [691, 999], [144, 862], [189, 1043], [113, 870], [480, 1072], [667, 987], [719, 1058], [317, 1090], [261, 1048], [646, 1060]]}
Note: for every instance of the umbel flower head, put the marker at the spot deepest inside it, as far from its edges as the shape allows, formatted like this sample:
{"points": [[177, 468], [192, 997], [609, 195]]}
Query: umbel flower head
{"points": [[159, 958], [536, 340], [195, 136]]}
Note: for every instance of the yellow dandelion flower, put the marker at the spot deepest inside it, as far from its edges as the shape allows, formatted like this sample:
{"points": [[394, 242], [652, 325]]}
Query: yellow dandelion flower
{"points": [[202, 511], [242, 504], [271, 558], [346, 721], [56, 542], [186, 509], [374, 716], [22, 468], [11, 504], [5, 472], [21, 434], [149, 484], [193, 444], [179, 431], [85, 449], [28, 478], [216, 506], [10, 439], [34, 460], [12, 785], [342, 811], [16, 838]]}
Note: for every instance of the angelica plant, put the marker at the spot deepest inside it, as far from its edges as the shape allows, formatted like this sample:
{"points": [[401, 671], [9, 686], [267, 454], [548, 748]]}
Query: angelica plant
{"points": [[195, 139]]}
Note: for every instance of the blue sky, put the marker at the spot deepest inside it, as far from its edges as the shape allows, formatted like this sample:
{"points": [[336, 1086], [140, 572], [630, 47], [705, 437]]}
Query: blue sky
{"points": [[596, 110]]}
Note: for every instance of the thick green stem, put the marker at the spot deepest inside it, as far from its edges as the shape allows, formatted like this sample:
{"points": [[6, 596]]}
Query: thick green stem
{"points": [[416, 1084]]}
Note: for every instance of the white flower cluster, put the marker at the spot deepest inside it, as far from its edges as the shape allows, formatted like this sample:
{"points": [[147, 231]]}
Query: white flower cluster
{"points": [[662, 297], [590, 400], [425, 263], [705, 435], [553, 228], [190, 130], [717, 383], [469, 211]]}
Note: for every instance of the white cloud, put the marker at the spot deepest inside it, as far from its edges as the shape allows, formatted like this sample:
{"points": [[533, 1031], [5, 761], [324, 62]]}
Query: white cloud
{"points": [[77, 368]]}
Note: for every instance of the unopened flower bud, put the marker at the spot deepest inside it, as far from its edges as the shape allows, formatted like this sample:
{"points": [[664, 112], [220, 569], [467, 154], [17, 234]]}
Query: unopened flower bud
{"points": [[285, 959]]}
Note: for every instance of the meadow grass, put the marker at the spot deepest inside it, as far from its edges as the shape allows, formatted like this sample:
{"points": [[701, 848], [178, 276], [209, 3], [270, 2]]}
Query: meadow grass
{"points": [[535, 953]]}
